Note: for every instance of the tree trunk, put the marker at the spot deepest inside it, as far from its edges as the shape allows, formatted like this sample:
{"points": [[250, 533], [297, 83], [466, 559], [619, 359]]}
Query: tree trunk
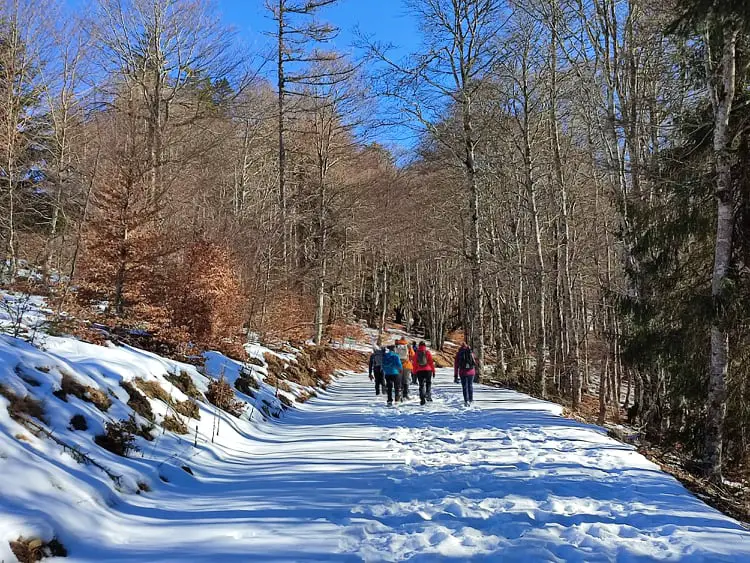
{"points": [[477, 321], [282, 148], [717, 391]]}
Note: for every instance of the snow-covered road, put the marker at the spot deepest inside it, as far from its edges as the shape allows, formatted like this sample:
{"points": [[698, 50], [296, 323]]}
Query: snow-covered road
{"points": [[346, 478]]}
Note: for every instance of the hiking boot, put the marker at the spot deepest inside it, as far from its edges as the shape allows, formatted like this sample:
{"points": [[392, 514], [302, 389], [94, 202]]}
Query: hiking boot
{"points": [[390, 403], [421, 401]]}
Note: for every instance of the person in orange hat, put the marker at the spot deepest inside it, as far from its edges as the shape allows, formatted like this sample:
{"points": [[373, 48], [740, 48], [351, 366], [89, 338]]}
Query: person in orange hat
{"points": [[405, 354]]}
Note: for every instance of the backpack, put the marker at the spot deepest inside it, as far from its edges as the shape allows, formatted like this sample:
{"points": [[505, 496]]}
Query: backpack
{"points": [[422, 360], [466, 359], [390, 364], [403, 351]]}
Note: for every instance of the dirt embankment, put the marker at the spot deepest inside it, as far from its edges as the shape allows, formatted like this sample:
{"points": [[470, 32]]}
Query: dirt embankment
{"points": [[314, 366]]}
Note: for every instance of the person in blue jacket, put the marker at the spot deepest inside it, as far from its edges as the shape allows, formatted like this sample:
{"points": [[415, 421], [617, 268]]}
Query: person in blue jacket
{"points": [[392, 369]]}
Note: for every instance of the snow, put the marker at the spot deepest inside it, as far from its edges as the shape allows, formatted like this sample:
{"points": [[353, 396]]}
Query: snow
{"points": [[340, 478]]}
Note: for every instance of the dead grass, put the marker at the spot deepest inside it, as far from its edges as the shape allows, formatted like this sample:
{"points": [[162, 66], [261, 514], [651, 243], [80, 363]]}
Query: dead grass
{"points": [[152, 389], [443, 359], [137, 401], [174, 424], [185, 383], [29, 550], [99, 398], [341, 331], [314, 367], [221, 395], [306, 396], [20, 408], [69, 385], [326, 361], [188, 408]]}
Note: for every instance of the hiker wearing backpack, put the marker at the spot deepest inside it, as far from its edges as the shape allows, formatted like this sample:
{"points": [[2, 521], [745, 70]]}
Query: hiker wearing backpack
{"points": [[424, 366], [404, 354], [392, 369], [465, 369], [413, 356], [376, 369]]}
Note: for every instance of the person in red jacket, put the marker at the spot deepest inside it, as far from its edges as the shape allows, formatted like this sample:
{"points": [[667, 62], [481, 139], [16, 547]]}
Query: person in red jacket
{"points": [[424, 368]]}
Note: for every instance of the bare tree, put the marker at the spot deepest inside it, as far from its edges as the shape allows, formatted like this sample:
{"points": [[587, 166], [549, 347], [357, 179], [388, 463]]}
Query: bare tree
{"points": [[23, 55], [458, 53], [297, 34]]}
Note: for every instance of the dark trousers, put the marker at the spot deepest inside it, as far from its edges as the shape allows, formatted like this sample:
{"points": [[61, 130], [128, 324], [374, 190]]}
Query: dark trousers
{"points": [[425, 386], [467, 385], [405, 377], [379, 382], [393, 386]]}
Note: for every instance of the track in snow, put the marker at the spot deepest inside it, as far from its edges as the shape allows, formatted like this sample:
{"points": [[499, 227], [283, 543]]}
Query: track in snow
{"points": [[346, 478]]}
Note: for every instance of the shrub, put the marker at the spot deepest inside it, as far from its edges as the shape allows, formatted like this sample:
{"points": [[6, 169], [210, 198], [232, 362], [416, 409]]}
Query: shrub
{"points": [[185, 383], [19, 408], [78, 422], [221, 395], [188, 408], [138, 402], [174, 424], [119, 437], [29, 550], [152, 389], [285, 401], [207, 299]]}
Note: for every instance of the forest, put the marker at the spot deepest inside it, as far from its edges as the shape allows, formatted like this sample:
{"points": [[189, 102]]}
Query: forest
{"points": [[574, 199]]}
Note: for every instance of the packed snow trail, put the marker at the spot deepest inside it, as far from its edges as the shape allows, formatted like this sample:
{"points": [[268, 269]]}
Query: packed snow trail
{"points": [[346, 478]]}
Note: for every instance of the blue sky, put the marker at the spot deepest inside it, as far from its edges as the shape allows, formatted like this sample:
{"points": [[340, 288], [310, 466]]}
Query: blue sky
{"points": [[386, 20]]}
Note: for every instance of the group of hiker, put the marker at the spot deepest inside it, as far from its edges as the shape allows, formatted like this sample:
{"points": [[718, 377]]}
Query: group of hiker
{"points": [[394, 367]]}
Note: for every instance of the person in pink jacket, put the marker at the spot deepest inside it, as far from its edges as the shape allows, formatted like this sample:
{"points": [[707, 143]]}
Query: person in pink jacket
{"points": [[465, 369]]}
